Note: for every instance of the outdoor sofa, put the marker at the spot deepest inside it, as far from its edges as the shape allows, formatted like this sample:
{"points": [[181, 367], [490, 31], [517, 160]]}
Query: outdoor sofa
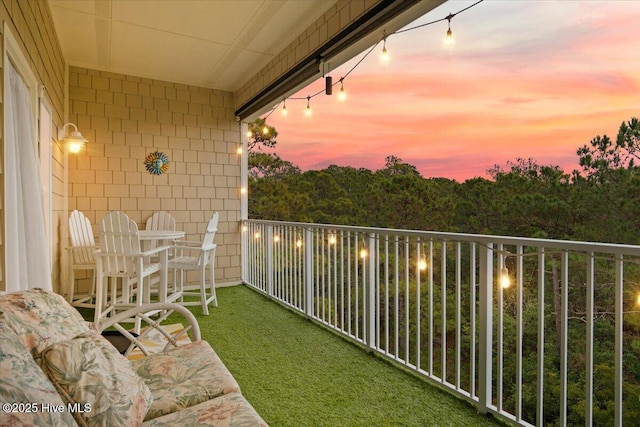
{"points": [[58, 370]]}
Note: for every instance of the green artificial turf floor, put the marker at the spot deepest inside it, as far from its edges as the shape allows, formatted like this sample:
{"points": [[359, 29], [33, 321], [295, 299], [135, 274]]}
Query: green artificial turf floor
{"points": [[296, 373]]}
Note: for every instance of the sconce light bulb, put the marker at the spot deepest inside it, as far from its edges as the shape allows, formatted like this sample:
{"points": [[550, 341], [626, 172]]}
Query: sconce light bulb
{"points": [[75, 147]]}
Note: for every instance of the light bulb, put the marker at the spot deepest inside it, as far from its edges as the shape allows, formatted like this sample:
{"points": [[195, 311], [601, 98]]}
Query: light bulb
{"points": [[448, 40], [342, 95], [276, 238], [385, 54], [332, 239], [249, 134], [245, 228], [307, 111], [265, 130], [422, 265], [75, 147], [257, 235], [363, 253], [239, 150], [505, 281], [243, 190], [284, 111], [299, 243], [638, 300]]}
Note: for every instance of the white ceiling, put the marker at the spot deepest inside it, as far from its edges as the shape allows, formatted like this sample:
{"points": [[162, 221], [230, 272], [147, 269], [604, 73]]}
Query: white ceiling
{"points": [[217, 44]]}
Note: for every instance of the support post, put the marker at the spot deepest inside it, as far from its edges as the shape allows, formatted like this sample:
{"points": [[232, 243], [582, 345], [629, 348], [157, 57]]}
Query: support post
{"points": [[485, 328]]}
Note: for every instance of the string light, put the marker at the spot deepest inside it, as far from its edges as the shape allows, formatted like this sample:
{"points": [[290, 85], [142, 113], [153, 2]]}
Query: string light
{"points": [[307, 111], [505, 281], [299, 243], [276, 238], [449, 40], [363, 253], [342, 95], [422, 265], [239, 150], [385, 54], [332, 239], [265, 130], [249, 134], [257, 235], [243, 190], [245, 228]]}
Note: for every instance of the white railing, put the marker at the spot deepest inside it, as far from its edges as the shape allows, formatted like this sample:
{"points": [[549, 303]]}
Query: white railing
{"points": [[434, 302]]}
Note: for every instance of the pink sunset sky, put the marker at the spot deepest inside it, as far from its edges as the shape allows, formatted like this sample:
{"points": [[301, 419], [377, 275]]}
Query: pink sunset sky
{"points": [[530, 79]]}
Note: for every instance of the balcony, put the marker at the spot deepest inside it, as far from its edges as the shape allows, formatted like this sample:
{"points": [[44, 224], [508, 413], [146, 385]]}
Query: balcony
{"points": [[520, 328]]}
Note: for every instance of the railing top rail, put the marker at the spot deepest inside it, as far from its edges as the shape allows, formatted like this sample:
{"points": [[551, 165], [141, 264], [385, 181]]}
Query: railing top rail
{"points": [[483, 239]]}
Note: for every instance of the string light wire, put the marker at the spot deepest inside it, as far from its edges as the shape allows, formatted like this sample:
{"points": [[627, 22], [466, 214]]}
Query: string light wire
{"points": [[447, 18]]}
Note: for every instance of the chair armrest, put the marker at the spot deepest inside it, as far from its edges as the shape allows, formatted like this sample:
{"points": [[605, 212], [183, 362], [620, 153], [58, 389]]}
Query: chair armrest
{"points": [[144, 253], [155, 250], [186, 243], [143, 312]]}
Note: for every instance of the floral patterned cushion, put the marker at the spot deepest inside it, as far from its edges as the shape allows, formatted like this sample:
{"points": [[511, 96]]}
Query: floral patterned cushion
{"points": [[22, 381], [229, 410], [41, 318], [88, 370], [183, 377]]}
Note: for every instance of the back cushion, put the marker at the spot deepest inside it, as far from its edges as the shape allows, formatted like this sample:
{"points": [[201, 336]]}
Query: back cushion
{"points": [[22, 381], [40, 318]]}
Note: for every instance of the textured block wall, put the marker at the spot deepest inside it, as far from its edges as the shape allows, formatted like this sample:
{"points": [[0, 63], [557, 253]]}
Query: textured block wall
{"points": [[125, 118]]}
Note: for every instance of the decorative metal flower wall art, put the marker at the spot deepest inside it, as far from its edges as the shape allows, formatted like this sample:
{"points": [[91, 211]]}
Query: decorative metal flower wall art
{"points": [[156, 163]]}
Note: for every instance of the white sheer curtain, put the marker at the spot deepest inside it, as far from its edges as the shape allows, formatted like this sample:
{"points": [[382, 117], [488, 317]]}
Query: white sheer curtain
{"points": [[26, 249]]}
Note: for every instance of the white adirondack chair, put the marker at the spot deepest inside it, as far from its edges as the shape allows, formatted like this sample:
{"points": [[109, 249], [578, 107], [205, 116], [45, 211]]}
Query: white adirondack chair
{"points": [[81, 257], [120, 257], [198, 256], [159, 221]]}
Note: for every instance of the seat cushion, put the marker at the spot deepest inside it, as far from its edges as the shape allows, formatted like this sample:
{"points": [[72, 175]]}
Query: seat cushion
{"points": [[184, 377], [229, 410], [41, 318], [90, 373], [22, 381]]}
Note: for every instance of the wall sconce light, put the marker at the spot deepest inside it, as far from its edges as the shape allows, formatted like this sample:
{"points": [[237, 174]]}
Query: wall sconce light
{"points": [[73, 140]]}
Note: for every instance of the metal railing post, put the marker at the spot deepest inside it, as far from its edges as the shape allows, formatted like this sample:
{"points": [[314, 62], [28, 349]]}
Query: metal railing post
{"points": [[308, 272], [371, 294], [269, 244], [485, 328]]}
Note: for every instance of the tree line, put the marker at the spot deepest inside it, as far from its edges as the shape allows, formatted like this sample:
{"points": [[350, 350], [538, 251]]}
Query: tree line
{"points": [[598, 201]]}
